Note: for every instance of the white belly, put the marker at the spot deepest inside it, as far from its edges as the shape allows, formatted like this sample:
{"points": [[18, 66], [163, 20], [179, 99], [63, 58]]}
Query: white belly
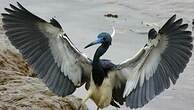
{"points": [[102, 95]]}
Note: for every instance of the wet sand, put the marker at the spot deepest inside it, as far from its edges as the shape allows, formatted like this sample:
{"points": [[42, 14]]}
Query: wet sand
{"points": [[82, 20]]}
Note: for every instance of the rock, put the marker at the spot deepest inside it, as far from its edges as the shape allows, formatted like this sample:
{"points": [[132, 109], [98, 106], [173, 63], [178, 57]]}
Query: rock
{"points": [[11, 61], [20, 91], [26, 93]]}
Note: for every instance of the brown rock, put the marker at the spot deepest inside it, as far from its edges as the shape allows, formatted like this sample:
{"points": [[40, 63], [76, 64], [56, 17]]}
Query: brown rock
{"points": [[26, 93], [12, 61]]}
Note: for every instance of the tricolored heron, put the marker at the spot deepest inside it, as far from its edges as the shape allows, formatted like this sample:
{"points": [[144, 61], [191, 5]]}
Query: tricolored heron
{"points": [[63, 68]]}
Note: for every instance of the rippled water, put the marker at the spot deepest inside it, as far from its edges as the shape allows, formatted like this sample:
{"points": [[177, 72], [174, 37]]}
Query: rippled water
{"points": [[82, 20]]}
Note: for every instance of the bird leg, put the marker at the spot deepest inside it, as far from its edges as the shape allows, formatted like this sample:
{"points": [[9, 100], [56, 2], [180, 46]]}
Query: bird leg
{"points": [[98, 108]]}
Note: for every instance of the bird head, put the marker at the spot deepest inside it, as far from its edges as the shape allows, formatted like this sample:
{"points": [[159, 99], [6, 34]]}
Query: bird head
{"points": [[102, 38]]}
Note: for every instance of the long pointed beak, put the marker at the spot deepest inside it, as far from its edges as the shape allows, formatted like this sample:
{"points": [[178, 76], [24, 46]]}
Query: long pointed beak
{"points": [[93, 43]]}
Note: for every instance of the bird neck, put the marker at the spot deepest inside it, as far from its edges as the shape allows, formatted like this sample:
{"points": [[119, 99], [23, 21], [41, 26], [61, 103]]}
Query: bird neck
{"points": [[99, 52], [98, 73]]}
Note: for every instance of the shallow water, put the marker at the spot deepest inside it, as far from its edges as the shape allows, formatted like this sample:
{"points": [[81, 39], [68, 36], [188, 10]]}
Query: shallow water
{"points": [[82, 20]]}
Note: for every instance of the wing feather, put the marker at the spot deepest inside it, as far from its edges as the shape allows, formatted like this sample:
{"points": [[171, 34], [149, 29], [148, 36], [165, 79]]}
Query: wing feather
{"points": [[152, 69], [51, 54]]}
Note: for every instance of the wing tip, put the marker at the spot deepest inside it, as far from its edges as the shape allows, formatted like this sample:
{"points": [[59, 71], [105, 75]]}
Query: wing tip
{"points": [[174, 16], [165, 27], [21, 7], [13, 6], [18, 3]]}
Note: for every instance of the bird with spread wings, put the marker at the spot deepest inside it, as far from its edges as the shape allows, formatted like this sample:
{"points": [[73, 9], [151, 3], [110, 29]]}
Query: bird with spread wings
{"points": [[63, 68]]}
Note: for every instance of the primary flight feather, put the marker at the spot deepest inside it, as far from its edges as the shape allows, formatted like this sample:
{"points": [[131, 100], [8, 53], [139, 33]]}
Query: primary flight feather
{"points": [[63, 68]]}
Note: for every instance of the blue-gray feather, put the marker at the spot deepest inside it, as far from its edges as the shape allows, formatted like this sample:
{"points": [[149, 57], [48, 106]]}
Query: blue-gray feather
{"points": [[173, 61], [21, 29]]}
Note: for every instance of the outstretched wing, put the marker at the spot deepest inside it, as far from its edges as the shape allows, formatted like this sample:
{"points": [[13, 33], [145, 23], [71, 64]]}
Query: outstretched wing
{"points": [[49, 52], [157, 64]]}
